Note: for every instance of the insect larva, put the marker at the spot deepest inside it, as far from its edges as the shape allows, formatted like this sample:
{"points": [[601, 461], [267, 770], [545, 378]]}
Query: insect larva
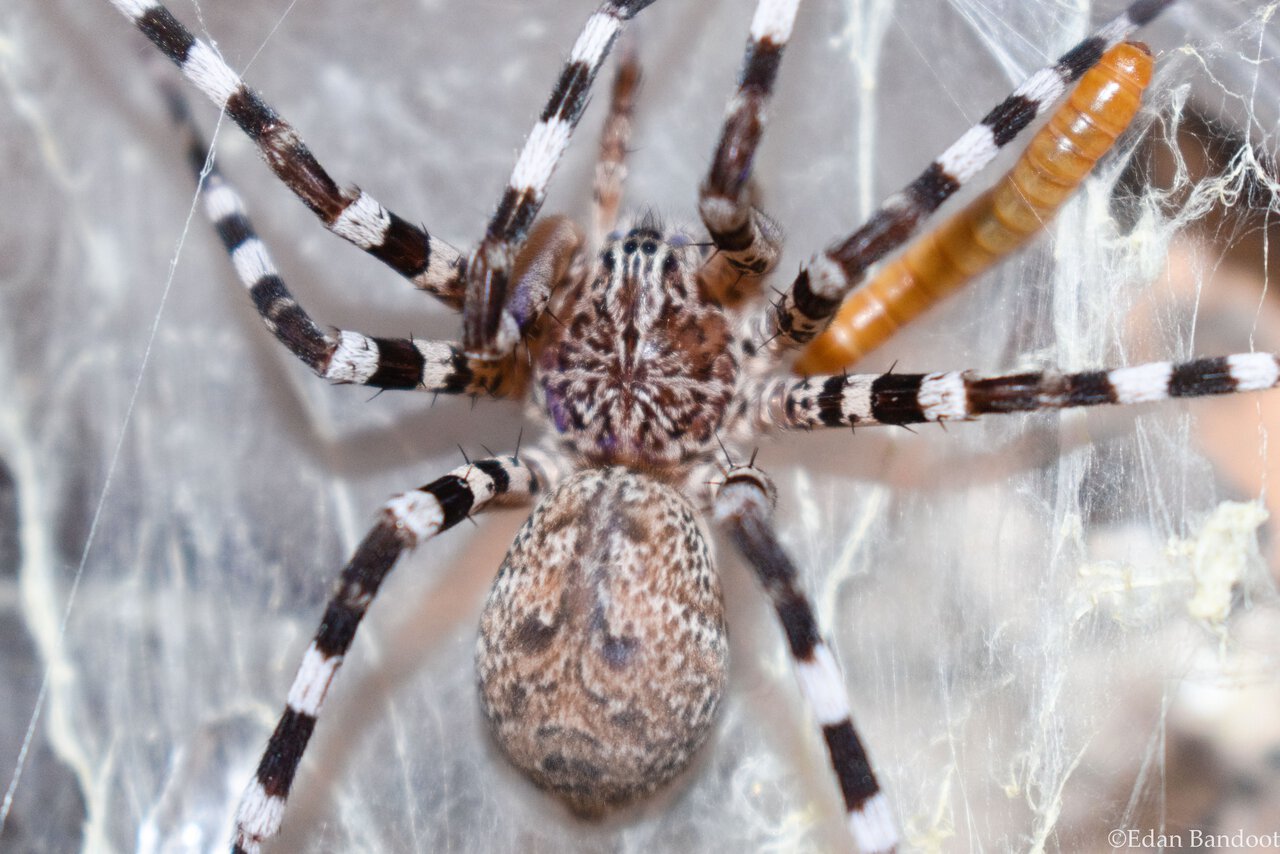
{"points": [[996, 223]]}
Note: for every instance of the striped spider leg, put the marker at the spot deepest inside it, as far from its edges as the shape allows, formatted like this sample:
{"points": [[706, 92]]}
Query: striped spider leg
{"points": [[338, 355], [747, 242], [858, 400], [429, 263], [743, 505], [404, 523]]}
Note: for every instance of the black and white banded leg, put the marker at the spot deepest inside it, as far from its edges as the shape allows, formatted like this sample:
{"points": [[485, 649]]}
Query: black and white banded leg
{"points": [[817, 292], [857, 400], [487, 328], [743, 506], [429, 263], [747, 240], [338, 355], [405, 522]]}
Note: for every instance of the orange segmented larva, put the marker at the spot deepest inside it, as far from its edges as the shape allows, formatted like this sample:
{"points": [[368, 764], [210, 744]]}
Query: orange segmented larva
{"points": [[997, 222]]}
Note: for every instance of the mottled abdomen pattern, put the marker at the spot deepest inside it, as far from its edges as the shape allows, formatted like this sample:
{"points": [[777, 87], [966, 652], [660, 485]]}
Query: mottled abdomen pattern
{"points": [[602, 654]]}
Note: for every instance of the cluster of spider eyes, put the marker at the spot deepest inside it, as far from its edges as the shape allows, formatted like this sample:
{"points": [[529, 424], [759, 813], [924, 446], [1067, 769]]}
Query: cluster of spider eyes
{"points": [[648, 247]]}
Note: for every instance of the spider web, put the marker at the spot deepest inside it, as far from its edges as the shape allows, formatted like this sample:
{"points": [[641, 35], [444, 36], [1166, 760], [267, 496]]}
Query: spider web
{"points": [[1024, 607]]}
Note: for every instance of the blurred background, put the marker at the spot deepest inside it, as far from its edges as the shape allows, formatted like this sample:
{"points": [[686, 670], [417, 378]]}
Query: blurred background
{"points": [[1051, 626]]}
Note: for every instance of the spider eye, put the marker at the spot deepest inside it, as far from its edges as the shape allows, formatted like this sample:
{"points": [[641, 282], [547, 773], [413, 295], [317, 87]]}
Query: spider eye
{"points": [[629, 247], [670, 265], [648, 247]]}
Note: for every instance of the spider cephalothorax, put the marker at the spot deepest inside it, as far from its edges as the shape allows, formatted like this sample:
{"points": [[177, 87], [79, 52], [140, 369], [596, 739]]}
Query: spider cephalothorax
{"points": [[638, 370], [602, 646]]}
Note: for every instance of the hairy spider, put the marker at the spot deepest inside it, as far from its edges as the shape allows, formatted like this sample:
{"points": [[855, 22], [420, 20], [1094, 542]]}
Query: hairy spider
{"points": [[640, 375]]}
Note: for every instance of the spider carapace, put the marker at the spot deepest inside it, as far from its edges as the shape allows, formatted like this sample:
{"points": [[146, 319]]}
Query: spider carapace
{"points": [[653, 360], [640, 371]]}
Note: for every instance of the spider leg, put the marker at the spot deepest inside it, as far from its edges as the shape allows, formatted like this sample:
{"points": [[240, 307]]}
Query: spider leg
{"points": [[868, 399], [405, 522], [747, 240], [816, 293], [611, 165], [743, 506], [487, 327], [998, 222], [429, 263], [339, 355]]}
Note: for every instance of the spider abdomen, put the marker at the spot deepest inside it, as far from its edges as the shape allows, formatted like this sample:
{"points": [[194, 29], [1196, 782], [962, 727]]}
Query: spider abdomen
{"points": [[602, 653]]}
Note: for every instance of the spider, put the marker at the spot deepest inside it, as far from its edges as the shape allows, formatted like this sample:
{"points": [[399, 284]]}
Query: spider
{"points": [[708, 448]]}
